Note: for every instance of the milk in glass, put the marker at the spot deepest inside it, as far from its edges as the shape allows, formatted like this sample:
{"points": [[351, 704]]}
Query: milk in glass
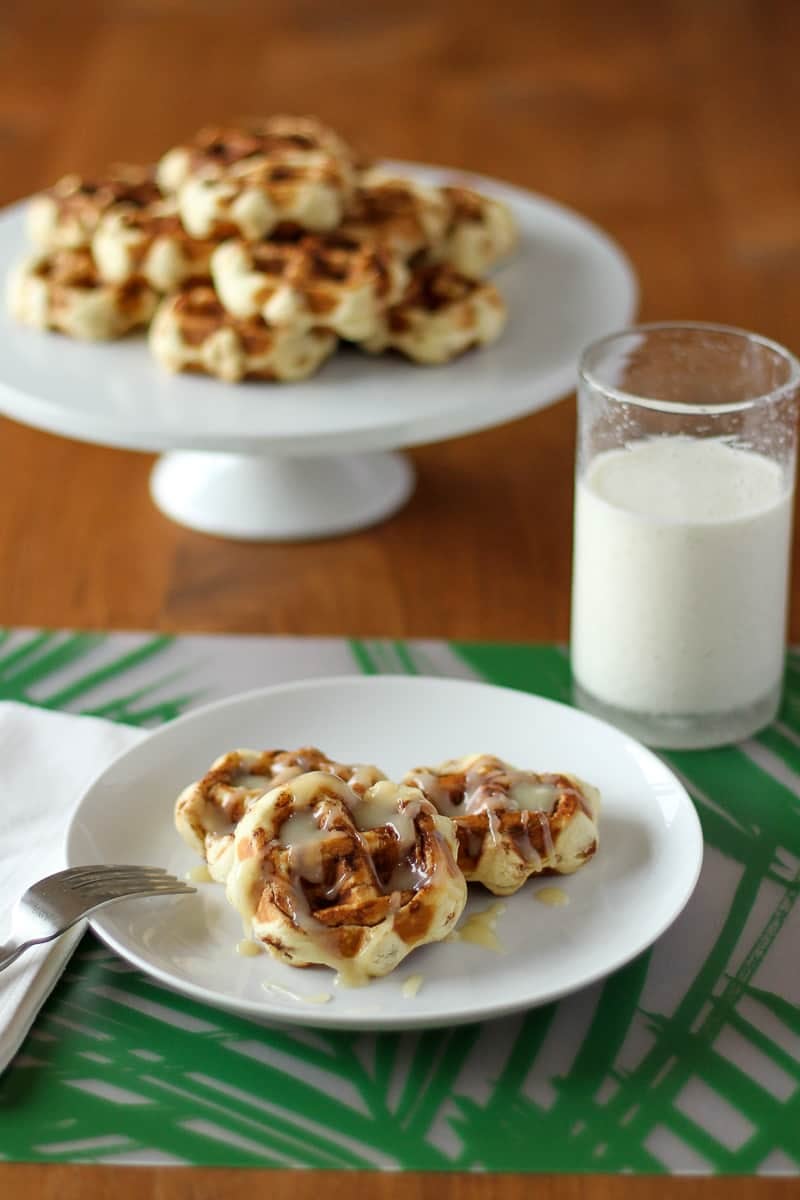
{"points": [[680, 576], [687, 438]]}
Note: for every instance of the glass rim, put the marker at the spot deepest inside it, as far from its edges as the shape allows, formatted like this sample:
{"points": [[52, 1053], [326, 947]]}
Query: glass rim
{"points": [[675, 406]]}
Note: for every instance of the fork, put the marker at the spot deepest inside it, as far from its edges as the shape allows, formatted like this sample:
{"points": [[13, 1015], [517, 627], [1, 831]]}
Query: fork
{"points": [[48, 908]]}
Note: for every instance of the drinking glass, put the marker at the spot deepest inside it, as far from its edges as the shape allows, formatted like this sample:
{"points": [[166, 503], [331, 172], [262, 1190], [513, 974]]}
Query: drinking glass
{"points": [[683, 512]]}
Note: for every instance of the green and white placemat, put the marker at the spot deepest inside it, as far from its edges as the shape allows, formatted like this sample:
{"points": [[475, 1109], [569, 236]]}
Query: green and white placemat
{"points": [[687, 1060]]}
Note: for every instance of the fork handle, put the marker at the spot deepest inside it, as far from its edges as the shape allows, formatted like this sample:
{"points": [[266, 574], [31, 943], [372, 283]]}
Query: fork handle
{"points": [[10, 951]]}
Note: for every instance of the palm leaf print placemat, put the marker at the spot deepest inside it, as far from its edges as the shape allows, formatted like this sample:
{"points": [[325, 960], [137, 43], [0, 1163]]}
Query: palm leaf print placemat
{"points": [[687, 1060]]}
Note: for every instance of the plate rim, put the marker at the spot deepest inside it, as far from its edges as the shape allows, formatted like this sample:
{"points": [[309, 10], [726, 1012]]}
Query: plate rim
{"points": [[548, 388], [324, 1019]]}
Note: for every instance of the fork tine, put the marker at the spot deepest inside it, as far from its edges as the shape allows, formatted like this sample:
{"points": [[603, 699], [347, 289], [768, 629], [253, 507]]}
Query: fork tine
{"points": [[132, 873], [114, 883], [169, 889], [174, 889], [98, 868], [89, 879], [77, 882]]}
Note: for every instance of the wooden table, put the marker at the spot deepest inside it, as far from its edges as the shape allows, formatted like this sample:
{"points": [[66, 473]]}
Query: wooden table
{"points": [[672, 125]]}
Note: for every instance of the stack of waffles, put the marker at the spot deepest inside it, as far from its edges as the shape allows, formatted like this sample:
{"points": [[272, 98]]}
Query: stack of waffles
{"points": [[253, 251], [333, 863]]}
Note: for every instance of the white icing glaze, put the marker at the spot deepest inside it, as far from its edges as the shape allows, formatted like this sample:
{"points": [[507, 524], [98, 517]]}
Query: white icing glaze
{"points": [[303, 998], [479, 928], [554, 897], [199, 874], [297, 817], [248, 948], [412, 985]]}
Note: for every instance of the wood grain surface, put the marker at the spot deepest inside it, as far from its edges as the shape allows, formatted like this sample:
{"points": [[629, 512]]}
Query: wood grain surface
{"points": [[673, 125]]}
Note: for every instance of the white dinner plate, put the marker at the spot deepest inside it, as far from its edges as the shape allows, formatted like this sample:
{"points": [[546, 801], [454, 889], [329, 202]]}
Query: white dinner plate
{"points": [[567, 284], [637, 884]]}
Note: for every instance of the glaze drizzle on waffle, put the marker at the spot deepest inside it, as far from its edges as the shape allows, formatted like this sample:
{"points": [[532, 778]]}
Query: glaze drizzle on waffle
{"points": [[208, 810], [512, 824], [334, 864], [351, 882]]}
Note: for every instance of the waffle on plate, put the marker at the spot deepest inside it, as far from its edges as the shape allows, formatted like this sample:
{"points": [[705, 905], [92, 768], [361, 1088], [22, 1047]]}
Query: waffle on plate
{"points": [[266, 241], [344, 282], [215, 149], [441, 315], [192, 331], [63, 291], [408, 217], [512, 824], [150, 244], [332, 863], [257, 197], [67, 214], [356, 883], [208, 810], [480, 231]]}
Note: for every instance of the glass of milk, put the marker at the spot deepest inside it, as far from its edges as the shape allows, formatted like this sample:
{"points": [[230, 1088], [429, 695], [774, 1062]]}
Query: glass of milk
{"points": [[683, 513]]}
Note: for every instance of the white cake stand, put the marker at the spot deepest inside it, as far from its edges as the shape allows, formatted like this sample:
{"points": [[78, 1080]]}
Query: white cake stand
{"points": [[313, 459]]}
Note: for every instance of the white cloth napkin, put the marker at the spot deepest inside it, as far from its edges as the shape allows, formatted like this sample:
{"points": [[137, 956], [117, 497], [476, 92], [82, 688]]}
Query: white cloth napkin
{"points": [[47, 760]]}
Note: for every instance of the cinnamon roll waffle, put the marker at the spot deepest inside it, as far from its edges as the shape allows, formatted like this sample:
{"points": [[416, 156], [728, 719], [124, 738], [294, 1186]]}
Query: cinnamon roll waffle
{"points": [[208, 810], [214, 150], [406, 216], [441, 315], [270, 239], [67, 214], [345, 283], [480, 231], [150, 244], [192, 331], [512, 824], [63, 291], [324, 876], [257, 197]]}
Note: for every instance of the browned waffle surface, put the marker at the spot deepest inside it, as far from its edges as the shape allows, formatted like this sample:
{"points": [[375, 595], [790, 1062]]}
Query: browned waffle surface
{"points": [[355, 883]]}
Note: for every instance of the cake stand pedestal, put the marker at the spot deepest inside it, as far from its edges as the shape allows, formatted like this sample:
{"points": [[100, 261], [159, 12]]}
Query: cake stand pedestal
{"points": [[259, 498]]}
